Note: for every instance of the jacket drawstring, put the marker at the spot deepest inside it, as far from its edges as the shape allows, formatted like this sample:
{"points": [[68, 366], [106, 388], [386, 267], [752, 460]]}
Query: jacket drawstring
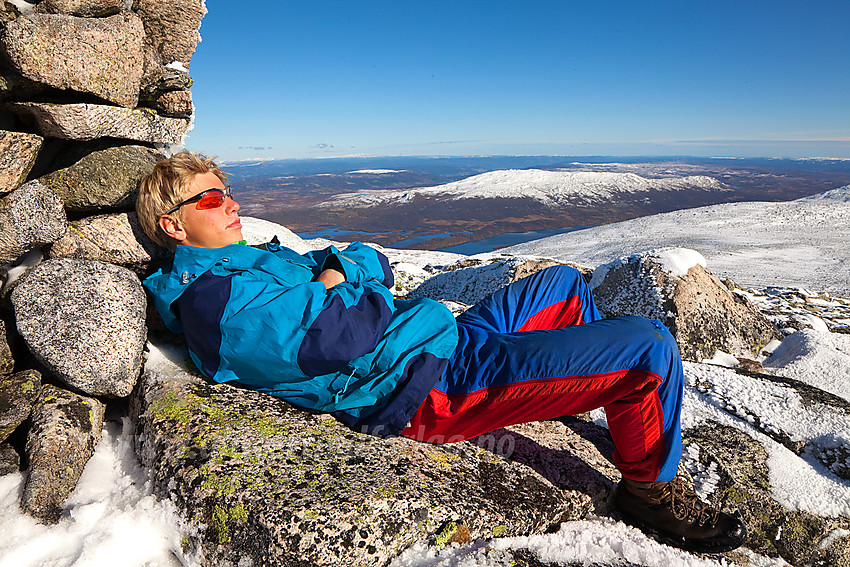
{"points": [[339, 394]]}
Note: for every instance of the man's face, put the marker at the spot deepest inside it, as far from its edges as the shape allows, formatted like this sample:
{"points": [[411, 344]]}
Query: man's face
{"points": [[209, 228]]}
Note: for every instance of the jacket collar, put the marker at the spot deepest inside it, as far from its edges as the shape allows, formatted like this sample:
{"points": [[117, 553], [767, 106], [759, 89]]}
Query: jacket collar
{"points": [[168, 283]]}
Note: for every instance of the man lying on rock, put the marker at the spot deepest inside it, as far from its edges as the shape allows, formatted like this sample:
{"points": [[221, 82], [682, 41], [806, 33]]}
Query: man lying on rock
{"points": [[322, 331]]}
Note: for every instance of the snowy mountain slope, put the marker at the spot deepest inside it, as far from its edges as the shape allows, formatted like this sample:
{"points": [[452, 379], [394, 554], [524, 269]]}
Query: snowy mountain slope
{"points": [[801, 243], [842, 194], [553, 188]]}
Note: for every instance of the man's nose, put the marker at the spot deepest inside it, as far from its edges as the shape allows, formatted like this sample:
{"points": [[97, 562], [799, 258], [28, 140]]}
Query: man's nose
{"points": [[231, 204]]}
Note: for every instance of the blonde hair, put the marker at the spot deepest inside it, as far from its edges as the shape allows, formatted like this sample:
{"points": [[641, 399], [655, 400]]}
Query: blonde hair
{"points": [[165, 186]]}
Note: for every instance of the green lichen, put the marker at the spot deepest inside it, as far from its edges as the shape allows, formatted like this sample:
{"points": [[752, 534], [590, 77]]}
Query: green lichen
{"points": [[27, 387], [267, 427], [223, 486], [6, 360], [228, 452], [443, 459], [445, 535], [735, 495], [239, 513], [219, 524], [500, 530], [173, 407], [76, 231]]}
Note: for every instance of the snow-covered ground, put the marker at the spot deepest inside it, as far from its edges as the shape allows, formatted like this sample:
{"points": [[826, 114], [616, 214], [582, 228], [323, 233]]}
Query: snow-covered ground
{"points": [[552, 188], [801, 243], [112, 518]]}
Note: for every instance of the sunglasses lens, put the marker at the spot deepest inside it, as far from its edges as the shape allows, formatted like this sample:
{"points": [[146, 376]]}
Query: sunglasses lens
{"points": [[211, 200]]}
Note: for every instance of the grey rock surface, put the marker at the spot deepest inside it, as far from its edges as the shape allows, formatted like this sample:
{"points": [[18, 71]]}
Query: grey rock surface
{"points": [[8, 11], [30, 217], [18, 393], [469, 281], [7, 359], [65, 430], [274, 485], [99, 56], [18, 151], [84, 320], [98, 176], [159, 79], [115, 238], [700, 311], [82, 8], [10, 461], [80, 121], [14, 86], [172, 27], [175, 103]]}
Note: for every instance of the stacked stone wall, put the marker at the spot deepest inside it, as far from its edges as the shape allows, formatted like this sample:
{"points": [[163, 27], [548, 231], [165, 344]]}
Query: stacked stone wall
{"points": [[92, 94]]}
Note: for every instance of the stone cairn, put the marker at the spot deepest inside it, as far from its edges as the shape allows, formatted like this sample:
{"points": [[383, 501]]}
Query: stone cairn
{"points": [[92, 92]]}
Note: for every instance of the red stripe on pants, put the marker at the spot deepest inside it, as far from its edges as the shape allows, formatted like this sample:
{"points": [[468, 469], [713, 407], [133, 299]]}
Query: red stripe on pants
{"points": [[565, 313], [630, 398]]}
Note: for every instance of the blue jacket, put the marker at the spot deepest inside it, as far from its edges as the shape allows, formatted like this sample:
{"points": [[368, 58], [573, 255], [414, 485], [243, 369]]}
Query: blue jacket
{"points": [[256, 317]]}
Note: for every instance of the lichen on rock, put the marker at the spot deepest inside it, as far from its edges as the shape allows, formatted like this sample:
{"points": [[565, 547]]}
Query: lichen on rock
{"points": [[742, 484], [66, 429], [282, 486]]}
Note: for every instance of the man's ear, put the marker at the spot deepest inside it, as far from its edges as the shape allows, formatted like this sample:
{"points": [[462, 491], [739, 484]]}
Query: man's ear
{"points": [[172, 227]]}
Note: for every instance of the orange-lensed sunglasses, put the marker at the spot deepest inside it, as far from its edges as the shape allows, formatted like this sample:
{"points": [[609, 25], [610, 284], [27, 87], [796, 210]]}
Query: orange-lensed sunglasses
{"points": [[209, 199]]}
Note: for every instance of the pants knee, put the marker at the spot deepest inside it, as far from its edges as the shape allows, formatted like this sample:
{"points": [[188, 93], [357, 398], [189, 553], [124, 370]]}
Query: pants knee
{"points": [[564, 275], [661, 351]]}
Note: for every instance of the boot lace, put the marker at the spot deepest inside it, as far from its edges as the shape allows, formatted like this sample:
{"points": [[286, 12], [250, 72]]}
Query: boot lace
{"points": [[685, 504]]}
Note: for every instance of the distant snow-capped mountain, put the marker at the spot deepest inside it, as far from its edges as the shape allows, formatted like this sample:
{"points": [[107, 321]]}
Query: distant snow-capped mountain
{"points": [[552, 188], [842, 194]]}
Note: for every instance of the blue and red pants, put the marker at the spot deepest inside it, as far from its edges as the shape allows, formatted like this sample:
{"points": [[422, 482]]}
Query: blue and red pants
{"points": [[538, 349]]}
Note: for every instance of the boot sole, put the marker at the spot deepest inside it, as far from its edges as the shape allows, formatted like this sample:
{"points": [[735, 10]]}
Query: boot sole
{"points": [[716, 545]]}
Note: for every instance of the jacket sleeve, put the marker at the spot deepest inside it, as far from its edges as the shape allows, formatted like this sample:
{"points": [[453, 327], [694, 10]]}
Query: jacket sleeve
{"points": [[359, 263]]}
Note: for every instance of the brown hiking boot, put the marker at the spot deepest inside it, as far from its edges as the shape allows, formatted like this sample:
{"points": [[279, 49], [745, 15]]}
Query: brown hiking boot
{"points": [[673, 513]]}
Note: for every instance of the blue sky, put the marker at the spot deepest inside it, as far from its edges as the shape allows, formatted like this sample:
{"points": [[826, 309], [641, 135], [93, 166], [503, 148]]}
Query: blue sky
{"points": [[314, 78]]}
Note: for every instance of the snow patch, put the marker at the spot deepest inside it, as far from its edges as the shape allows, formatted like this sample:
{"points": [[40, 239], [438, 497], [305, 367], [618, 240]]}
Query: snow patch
{"points": [[813, 321], [723, 396], [111, 517], [596, 540], [603, 541], [23, 6], [790, 244], [177, 66], [678, 261], [818, 358], [28, 261], [721, 358]]}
